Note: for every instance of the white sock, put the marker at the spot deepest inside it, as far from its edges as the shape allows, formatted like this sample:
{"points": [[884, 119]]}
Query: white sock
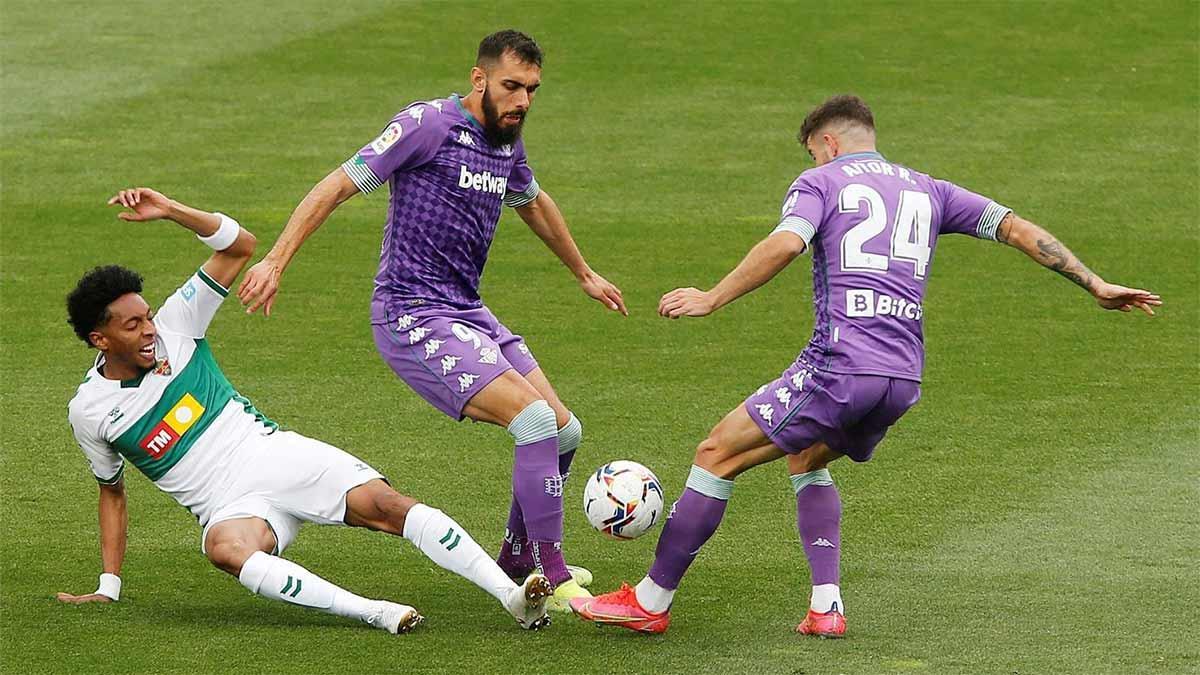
{"points": [[447, 544], [652, 597], [825, 597], [278, 579]]}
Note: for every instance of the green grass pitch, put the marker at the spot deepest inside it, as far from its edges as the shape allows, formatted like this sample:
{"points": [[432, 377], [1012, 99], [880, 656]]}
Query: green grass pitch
{"points": [[1035, 513]]}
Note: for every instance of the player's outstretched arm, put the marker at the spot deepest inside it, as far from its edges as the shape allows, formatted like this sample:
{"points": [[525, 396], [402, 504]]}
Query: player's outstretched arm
{"points": [[114, 523], [760, 265], [261, 283], [1049, 252], [234, 245], [543, 216]]}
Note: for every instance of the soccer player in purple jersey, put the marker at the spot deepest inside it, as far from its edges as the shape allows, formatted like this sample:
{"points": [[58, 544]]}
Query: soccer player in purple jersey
{"points": [[450, 164], [872, 225]]}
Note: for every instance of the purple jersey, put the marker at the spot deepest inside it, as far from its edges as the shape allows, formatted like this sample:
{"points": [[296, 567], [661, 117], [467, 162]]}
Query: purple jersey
{"points": [[872, 226], [447, 185]]}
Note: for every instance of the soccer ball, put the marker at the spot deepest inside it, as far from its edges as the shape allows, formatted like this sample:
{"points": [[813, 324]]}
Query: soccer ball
{"points": [[623, 499]]}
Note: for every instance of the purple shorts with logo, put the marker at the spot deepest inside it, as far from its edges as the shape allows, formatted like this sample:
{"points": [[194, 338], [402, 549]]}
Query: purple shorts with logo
{"points": [[850, 413], [448, 355]]}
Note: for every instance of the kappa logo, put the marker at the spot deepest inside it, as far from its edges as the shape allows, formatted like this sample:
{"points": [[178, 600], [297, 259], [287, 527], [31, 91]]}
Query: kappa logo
{"points": [[761, 390], [417, 334], [465, 381], [464, 138], [554, 486], [481, 182], [387, 139], [506, 149], [416, 112], [488, 355], [436, 104], [784, 397], [185, 413], [767, 412], [791, 201], [448, 363], [432, 346], [823, 542], [799, 378], [404, 322]]}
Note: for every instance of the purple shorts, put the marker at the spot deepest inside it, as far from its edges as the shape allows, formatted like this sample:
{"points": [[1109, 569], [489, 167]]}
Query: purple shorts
{"points": [[448, 355], [850, 413]]}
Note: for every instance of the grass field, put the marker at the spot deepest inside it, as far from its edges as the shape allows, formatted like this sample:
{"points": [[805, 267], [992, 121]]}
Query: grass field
{"points": [[1036, 513]]}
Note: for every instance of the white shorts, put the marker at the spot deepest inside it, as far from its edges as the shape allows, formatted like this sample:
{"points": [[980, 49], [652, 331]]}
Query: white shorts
{"points": [[288, 479]]}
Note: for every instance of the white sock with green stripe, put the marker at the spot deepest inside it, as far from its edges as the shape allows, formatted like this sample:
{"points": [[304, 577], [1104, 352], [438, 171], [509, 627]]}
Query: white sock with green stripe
{"points": [[446, 543], [278, 579]]}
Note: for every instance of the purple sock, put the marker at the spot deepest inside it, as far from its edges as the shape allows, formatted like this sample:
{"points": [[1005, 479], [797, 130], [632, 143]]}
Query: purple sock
{"points": [[564, 464], [694, 518], [548, 556], [819, 517], [516, 558], [538, 489]]}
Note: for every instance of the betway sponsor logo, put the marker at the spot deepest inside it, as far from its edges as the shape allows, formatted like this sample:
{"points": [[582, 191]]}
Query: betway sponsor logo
{"points": [[863, 302], [483, 182]]}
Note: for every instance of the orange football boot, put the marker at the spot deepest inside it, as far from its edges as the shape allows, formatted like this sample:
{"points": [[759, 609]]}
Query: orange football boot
{"points": [[621, 608], [831, 624]]}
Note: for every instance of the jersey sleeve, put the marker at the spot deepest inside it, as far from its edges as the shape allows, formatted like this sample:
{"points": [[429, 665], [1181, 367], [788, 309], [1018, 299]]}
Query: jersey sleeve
{"points": [[192, 306], [803, 209], [522, 188], [107, 466], [964, 212], [411, 139]]}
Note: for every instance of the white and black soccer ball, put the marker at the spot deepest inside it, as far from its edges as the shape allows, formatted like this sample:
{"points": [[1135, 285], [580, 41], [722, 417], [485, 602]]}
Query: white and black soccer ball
{"points": [[623, 499]]}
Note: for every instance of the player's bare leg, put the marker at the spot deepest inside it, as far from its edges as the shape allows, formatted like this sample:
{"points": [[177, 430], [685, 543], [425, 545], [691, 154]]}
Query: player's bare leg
{"points": [[243, 547], [516, 558], [376, 505], [818, 518], [735, 445]]}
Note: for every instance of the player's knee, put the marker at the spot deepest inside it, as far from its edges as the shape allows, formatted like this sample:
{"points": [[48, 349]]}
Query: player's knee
{"points": [[393, 508], [229, 554], [711, 455]]}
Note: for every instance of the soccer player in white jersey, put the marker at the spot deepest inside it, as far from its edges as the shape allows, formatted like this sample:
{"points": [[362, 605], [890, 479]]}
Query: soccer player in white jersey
{"points": [[157, 399]]}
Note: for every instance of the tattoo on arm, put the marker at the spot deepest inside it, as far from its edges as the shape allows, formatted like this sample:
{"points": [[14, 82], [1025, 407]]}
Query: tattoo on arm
{"points": [[1057, 257]]}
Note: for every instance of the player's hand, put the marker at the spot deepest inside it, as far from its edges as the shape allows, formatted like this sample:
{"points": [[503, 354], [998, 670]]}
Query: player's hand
{"points": [[685, 302], [260, 285], [1111, 296], [82, 599], [603, 290], [146, 204]]}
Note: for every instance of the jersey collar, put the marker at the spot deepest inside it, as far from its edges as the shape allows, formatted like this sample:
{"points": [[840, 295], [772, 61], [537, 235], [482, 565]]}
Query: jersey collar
{"points": [[869, 154], [465, 113]]}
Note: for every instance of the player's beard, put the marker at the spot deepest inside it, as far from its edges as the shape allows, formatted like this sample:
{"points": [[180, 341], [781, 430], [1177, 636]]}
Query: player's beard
{"points": [[496, 134]]}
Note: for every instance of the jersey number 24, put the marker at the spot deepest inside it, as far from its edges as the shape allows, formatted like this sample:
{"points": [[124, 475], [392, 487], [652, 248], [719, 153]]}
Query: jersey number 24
{"points": [[910, 230]]}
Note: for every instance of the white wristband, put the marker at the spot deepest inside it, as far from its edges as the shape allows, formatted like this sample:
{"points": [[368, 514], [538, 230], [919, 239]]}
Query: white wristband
{"points": [[110, 586], [225, 235]]}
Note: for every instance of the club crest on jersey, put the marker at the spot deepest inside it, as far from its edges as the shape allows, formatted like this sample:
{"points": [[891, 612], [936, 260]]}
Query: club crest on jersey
{"points": [[174, 425], [163, 367], [388, 138]]}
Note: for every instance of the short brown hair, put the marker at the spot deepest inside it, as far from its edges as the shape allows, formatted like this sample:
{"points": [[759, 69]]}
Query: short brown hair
{"points": [[840, 108], [521, 45]]}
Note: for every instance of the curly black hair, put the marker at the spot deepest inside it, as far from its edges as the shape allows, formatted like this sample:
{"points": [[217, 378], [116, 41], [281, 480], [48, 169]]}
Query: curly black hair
{"points": [[844, 107], [87, 305]]}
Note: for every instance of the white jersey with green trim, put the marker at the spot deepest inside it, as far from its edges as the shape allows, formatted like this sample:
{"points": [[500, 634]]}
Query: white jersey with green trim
{"points": [[181, 423]]}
